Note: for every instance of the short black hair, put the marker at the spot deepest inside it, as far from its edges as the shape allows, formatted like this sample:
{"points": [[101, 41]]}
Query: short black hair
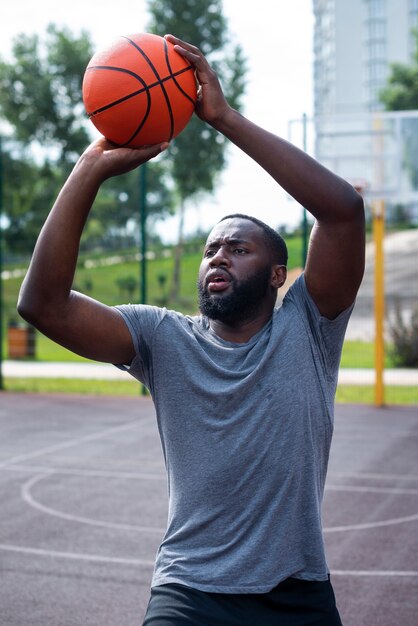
{"points": [[275, 242]]}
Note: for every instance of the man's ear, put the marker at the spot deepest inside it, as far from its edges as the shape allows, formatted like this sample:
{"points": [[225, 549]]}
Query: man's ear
{"points": [[278, 276]]}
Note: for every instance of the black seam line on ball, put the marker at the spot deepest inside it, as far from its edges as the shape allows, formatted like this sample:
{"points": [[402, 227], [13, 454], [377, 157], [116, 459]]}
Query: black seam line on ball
{"points": [[167, 99], [146, 88], [173, 76]]}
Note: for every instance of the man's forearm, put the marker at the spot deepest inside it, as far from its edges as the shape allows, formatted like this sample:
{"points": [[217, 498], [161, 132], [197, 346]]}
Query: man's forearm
{"points": [[51, 272], [324, 194], [329, 198]]}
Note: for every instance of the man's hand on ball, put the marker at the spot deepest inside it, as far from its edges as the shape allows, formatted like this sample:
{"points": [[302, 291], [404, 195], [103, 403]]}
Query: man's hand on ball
{"points": [[107, 160], [211, 104]]}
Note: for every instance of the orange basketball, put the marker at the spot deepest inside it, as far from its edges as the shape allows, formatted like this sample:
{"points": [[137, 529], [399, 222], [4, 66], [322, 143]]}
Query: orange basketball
{"points": [[139, 91]]}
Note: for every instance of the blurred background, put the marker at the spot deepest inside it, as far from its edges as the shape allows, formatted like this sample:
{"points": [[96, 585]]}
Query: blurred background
{"points": [[338, 78]]}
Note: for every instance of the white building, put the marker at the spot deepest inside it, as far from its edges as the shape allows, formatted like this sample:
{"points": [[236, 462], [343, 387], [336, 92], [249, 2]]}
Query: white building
{"points": [[355, 42]]}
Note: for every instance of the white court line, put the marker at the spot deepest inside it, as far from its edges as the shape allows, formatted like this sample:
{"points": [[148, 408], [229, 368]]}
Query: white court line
{"points": [[394, 573], [373, 476], [68, 444], [45, 469], [377, 524], [30, 500], [152, 476], [364, 526], [93, 558], [370, 525], [162, 476], [366, 489]]}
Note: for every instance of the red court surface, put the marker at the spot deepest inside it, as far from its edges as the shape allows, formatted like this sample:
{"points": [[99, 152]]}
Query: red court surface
{"points": [[83, 495]]}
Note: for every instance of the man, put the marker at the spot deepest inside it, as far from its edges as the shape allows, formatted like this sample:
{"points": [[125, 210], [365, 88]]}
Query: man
{"points": [[243, 393]]}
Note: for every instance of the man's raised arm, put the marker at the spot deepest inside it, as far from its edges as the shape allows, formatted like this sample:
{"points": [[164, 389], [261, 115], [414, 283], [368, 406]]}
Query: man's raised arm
{"points": [[335, 261], [46, 298]]}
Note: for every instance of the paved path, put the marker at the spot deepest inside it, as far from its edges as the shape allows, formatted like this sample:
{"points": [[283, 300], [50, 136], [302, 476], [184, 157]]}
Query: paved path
{"points": [[104, 371]]}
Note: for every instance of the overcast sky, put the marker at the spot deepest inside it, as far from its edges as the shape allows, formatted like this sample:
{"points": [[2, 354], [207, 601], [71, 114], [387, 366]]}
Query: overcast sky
{"points": [[277, 38]]}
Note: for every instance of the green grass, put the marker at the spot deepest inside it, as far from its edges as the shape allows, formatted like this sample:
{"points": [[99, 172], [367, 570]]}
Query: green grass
{"points": [[47, 350], [356, 394], [356, 354], [360, 354], [106, 290], [130, 387], [346, 394]]}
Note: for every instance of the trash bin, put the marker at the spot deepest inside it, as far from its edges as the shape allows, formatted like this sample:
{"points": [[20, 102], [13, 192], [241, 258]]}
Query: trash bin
{"points": [[20, 341]]}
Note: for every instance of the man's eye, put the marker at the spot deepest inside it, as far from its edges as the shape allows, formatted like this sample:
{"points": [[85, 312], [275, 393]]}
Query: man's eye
{"points": [[239, 251], [209, 253]]}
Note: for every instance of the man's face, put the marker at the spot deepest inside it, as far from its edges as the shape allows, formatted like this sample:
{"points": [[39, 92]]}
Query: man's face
{"points": [[235, 272]]}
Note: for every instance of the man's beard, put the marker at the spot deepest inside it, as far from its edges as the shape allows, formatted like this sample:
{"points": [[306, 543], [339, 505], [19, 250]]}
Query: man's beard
{"points": [[239, 305]]}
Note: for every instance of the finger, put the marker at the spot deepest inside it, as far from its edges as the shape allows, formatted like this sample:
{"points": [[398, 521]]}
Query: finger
{"points": [[184, 44], [148, 152], [139, 150], [202, 67], [192, 53], [161, 147]]}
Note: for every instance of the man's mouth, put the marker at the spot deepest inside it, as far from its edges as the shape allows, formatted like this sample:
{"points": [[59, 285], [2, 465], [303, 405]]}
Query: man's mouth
{"points": [[218, 282]]}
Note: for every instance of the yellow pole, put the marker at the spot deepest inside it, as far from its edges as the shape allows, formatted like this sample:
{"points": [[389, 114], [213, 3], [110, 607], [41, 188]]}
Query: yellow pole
{"points": [[379, 299]]}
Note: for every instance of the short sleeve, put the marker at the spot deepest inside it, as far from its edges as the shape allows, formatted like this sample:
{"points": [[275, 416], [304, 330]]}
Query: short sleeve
{"points": [[328, 335], [142, 322]]}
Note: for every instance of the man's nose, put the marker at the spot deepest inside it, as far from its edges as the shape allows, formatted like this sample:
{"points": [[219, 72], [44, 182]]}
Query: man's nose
{"points": [[220, 258]]}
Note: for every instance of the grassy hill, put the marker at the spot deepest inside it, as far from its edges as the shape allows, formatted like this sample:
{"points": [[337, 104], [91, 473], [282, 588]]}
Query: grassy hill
{"points": [[102, 277]]}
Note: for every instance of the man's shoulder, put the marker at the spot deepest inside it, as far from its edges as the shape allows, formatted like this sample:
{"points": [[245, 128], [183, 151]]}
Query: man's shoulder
{"points": [[151, 311], [294, 293], [169, 318]]}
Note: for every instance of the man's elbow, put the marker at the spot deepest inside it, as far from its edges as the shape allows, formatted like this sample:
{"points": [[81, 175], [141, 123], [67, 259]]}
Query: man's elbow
{"points": [[355, 205], [31, 309], [26, 311]]}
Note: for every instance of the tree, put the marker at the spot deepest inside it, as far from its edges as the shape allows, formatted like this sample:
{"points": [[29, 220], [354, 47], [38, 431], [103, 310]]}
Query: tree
{"points": [[41, 99], [40, 91], [197, 155], [127, 285], [401, 94], [29, 188], [401, 91], [117, 207]]}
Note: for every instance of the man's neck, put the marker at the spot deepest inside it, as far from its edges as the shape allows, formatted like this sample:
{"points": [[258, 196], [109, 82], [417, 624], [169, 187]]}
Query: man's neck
{"points": [[241, 331]]}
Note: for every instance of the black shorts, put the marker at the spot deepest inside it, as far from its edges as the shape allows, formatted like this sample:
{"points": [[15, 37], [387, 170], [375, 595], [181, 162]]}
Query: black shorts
{"points": [[292, 603]]}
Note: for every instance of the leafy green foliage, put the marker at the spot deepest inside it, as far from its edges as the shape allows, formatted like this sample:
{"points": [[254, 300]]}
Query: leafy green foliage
{"points": [[401, 91], [199, 22], [41, 99], [40, 90], [404, 336], [401, 94], [29, 189], [102, 271], [197, 155], [114, 221], [127, 286]]}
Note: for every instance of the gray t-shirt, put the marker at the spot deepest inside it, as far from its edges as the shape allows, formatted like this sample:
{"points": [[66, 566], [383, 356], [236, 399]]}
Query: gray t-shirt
{"points": [[245, 431]]}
